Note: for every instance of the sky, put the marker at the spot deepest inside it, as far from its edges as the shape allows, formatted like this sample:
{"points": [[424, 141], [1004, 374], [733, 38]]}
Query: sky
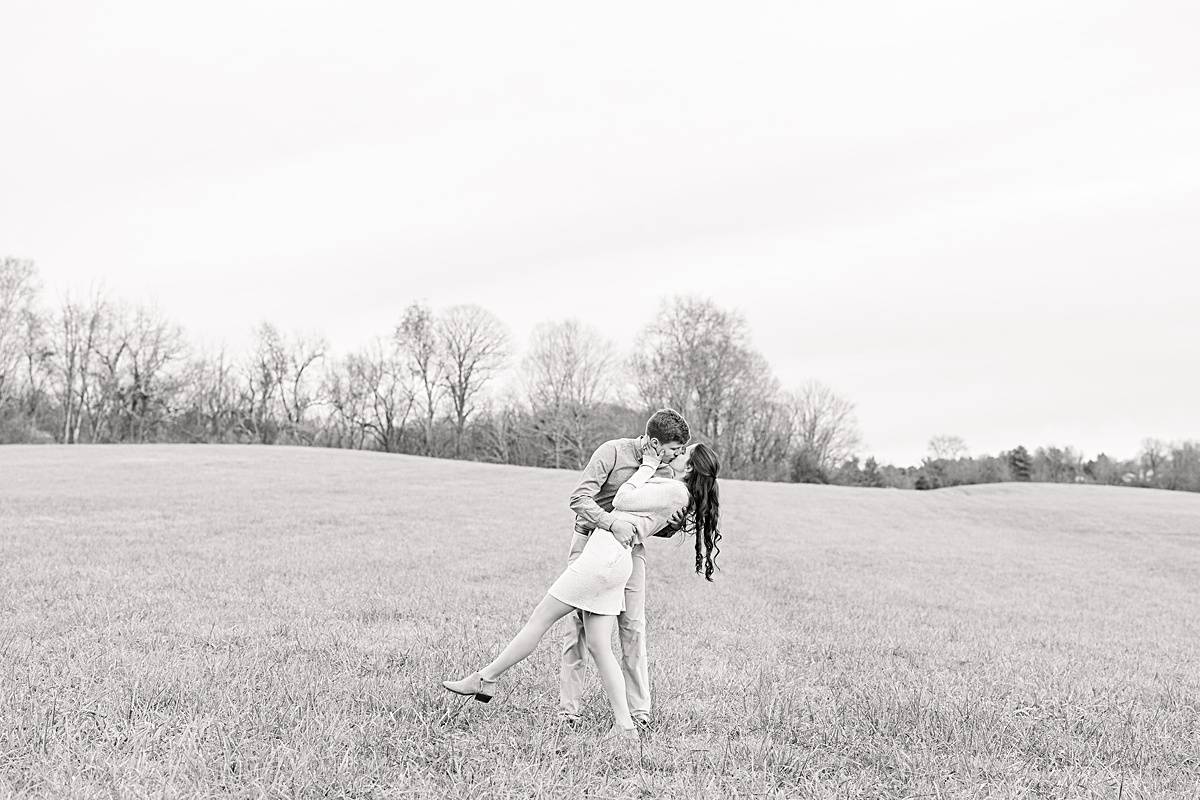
{"points": [[969, 219]]}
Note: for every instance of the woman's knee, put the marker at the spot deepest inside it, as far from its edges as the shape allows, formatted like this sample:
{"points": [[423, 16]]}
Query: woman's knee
{"points": [[600, 649], [599, 635]]}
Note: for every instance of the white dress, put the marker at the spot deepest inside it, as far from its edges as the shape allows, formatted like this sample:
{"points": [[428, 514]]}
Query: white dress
{"points": [[595, 581]]}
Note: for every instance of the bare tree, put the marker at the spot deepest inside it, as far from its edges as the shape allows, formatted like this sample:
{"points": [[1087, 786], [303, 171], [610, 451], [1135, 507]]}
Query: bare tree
{"points": [[1154, 455], [37, 366], [763, 431], [474, 346], [697, 358], [105, 368], [1057, 465], [77, 331], [154, 346], [685, 357], [349, 404], [567, 374], [297, 391], [279, 380], [504, 434], [1185, 466], [948, 448], [417, 338], [131, 385], [211, 400], [18, 292], [374, 392], [824, 425], [262, 376]]}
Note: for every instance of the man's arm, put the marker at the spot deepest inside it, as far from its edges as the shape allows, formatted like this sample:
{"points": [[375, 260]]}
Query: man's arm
{"points": [[583, 499]]}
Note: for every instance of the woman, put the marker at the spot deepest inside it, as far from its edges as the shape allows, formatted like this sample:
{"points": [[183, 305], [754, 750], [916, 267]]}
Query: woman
{"points": [[595, 582]]}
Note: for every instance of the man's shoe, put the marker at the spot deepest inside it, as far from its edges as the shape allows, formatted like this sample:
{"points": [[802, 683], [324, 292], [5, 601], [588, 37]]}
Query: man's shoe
{"points": [[570, 720], [642, 721]]}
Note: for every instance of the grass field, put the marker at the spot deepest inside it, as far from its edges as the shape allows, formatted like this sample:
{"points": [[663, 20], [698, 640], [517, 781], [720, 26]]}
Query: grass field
{"points": [[199, 621]]}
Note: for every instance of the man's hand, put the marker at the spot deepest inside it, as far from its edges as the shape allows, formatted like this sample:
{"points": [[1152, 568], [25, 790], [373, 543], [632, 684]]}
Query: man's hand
{"points": [[624, 532]]}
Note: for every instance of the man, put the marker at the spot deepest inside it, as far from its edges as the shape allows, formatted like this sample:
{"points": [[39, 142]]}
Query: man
{"points": [[610, 466]]}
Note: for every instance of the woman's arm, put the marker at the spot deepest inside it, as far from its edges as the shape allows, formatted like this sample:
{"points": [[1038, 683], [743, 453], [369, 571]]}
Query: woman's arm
{"points": [[651, 461], [639, 497]]}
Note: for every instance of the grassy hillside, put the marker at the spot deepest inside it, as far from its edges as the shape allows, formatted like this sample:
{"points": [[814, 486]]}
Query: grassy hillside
{"points": [[275, 621]]}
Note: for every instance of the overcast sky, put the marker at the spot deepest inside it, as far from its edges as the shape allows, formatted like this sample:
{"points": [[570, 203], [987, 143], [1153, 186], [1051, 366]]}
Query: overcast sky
{"points": [[972, 219]]}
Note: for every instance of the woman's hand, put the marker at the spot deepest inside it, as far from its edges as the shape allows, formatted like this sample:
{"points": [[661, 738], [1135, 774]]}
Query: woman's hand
{"points": [[651, 455]]}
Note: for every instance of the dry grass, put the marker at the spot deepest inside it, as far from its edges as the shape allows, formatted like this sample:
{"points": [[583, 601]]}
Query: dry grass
{"points": [[229, 621]]}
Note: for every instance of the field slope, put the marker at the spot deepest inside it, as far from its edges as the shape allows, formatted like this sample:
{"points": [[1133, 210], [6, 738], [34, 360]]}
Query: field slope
{"points": [[187, 621]]}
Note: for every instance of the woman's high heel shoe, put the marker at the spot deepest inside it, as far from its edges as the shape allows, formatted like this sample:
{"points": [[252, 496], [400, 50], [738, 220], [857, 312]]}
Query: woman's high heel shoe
{"points": [[473, 684]]}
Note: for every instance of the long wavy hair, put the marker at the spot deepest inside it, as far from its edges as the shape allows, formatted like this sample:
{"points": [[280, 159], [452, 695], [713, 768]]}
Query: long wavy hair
{"points": [[704, 508]]}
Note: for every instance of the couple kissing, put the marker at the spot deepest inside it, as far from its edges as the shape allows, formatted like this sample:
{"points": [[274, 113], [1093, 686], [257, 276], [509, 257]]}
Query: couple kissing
{"points": [[654, 485]]}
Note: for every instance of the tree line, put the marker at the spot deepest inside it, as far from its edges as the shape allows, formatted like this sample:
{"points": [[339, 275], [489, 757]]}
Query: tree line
{"points": [[91, 368], [1158, 464]]}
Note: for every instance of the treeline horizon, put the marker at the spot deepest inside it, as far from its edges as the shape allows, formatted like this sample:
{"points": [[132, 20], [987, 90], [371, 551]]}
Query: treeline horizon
{"points": [[94, 369]]}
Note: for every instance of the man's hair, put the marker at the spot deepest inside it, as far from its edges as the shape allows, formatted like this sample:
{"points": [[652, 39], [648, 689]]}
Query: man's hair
{"points": [[668, 425]]}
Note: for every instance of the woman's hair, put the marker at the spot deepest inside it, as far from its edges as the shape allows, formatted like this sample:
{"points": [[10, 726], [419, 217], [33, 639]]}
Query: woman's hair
{"points": [[704, 508]]}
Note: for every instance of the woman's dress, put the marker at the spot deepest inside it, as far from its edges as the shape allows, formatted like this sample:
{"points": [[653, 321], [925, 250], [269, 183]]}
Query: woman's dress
{"points": [[595, 581]]}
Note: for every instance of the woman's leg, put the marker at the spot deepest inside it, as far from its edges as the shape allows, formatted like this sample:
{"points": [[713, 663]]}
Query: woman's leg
{"points": [[599, 628], [548, 612]]}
